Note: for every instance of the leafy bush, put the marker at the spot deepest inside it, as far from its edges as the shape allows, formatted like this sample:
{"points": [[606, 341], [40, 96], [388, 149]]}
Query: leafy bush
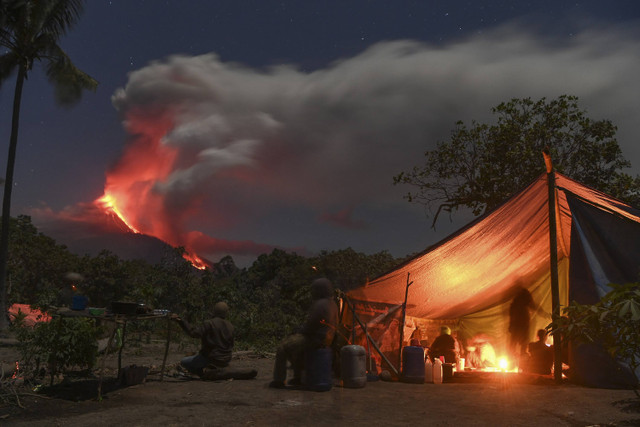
{"points": [[60, 344], [613, 322]]}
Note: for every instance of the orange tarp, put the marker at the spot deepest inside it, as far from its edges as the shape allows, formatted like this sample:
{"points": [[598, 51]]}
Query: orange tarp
{"points": [[32, 315]]}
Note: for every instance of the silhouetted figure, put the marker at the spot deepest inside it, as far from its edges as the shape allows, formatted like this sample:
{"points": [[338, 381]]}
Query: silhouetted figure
{"points": [[444, 345], [519, 319], [318, 332], [217, 336], [540, 355], [480, 353]]}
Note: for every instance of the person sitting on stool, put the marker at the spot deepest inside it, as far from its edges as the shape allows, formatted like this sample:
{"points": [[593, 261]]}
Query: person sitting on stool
{"points": [[318, 332], [444, 345]]}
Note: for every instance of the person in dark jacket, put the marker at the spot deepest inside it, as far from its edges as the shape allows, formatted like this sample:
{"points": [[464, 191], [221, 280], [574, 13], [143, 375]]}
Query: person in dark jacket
{"points": [[318, 331], [444, 345], [540, 358], [217, 337]]}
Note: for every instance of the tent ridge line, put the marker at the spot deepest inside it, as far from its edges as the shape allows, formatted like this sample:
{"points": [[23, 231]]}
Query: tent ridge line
{"points": [[604, 208]]}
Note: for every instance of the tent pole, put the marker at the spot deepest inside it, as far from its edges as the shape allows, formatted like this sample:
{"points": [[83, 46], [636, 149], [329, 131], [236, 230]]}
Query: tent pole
{"points": [[375, 346], [553, 257], [404, 318]]}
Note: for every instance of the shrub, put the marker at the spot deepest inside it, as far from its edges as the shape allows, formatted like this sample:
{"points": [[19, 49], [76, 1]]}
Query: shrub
{"points": [[60, 344], [613, 322]]}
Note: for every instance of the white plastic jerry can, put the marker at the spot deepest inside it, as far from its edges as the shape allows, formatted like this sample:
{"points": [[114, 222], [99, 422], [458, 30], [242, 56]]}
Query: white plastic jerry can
{"points": [[437, 371], [428, 371]]}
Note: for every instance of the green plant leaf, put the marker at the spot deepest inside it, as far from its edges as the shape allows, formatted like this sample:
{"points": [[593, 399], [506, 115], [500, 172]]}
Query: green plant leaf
{"points": [[635, 311], [624, 309]]}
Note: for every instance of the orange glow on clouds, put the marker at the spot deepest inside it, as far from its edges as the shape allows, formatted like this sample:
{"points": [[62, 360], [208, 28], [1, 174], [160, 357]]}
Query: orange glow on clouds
{"points": [[141, 196], [131, 191]]}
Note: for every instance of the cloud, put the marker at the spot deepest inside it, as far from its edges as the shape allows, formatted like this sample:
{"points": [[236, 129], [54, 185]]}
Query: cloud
{"points": [[236, 144], [343, 218]]}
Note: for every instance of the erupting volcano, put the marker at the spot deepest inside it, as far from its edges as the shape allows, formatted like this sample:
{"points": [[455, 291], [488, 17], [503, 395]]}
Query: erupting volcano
{"points": [[109, 206], [131, 194]]}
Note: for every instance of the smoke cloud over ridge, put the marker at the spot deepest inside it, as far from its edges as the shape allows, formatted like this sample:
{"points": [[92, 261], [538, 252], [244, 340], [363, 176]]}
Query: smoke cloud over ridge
{"points": [[280, 157]]}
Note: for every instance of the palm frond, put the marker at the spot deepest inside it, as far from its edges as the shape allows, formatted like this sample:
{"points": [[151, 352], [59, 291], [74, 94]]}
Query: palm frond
{"points": [[8, 63], [68, 80], [58, 16]]}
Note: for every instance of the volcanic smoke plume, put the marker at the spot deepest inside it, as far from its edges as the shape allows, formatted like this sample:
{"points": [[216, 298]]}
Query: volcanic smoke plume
{"points": [[303, 160], [160, 181]]}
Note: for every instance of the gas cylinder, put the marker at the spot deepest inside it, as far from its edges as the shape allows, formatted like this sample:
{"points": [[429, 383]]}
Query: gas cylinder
{"points": [[353, 366], [437, 371], [428, 371]]}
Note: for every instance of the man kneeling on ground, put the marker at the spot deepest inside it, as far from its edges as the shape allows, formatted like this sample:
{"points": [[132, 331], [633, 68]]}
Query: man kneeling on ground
{"points": [[217, 340], [318, 332]]}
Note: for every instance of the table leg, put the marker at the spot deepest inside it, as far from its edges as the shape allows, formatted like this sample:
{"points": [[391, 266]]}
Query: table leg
{"points": [[124, 337], [106, 353], [166, 348]]}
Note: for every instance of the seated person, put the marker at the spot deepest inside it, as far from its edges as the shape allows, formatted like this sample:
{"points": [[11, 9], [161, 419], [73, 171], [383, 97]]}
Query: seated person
{"points": [[540, 358], [416, 338], [480, 352], [217, 336], [318, 332], [444, 345]]}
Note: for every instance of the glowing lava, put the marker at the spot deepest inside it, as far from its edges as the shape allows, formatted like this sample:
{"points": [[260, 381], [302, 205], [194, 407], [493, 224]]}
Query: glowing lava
{"points": [[195, 260], [108, 204]]}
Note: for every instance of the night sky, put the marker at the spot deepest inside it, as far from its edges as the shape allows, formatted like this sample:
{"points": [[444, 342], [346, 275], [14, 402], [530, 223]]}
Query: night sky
{"points": [[233, 127]]}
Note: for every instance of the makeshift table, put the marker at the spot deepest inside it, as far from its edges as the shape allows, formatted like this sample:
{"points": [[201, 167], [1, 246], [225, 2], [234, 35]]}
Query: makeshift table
{"points": [[119, 320]]}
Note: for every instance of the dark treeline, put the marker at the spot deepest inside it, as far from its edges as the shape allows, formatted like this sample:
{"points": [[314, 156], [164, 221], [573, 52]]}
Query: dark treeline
{"points": [[268, 300]]}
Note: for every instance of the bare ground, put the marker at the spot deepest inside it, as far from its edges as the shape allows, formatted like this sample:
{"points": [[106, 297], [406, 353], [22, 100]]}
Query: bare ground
{"points": [[485, 400]]}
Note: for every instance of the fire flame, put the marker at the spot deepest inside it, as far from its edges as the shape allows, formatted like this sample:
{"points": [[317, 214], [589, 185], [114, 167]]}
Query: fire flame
{"points": [[16, 372], [503, 363]]}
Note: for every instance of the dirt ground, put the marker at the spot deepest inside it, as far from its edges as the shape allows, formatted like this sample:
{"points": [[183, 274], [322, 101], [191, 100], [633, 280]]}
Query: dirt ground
{"points": [[495, 399]]}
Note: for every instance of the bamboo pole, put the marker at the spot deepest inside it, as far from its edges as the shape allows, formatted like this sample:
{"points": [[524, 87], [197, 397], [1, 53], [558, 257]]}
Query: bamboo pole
{"points": [[404, 318], [553, 260], [375, 346]]}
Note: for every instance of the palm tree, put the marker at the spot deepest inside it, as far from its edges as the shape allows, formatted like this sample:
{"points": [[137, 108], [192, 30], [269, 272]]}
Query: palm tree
{"points": [[29, 33]]}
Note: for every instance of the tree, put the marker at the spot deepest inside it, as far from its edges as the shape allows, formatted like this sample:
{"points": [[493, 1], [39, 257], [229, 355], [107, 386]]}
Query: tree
{"points": [[348, 269], [30, 31], [481, 166], [36, 265]]}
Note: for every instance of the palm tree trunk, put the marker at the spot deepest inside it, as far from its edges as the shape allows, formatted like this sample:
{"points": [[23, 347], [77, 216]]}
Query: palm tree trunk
{"points": [[6, 201]]}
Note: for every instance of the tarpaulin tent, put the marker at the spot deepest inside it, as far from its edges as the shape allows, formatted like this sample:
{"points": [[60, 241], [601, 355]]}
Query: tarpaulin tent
{"points": [[29, 315], [468, 280]]}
